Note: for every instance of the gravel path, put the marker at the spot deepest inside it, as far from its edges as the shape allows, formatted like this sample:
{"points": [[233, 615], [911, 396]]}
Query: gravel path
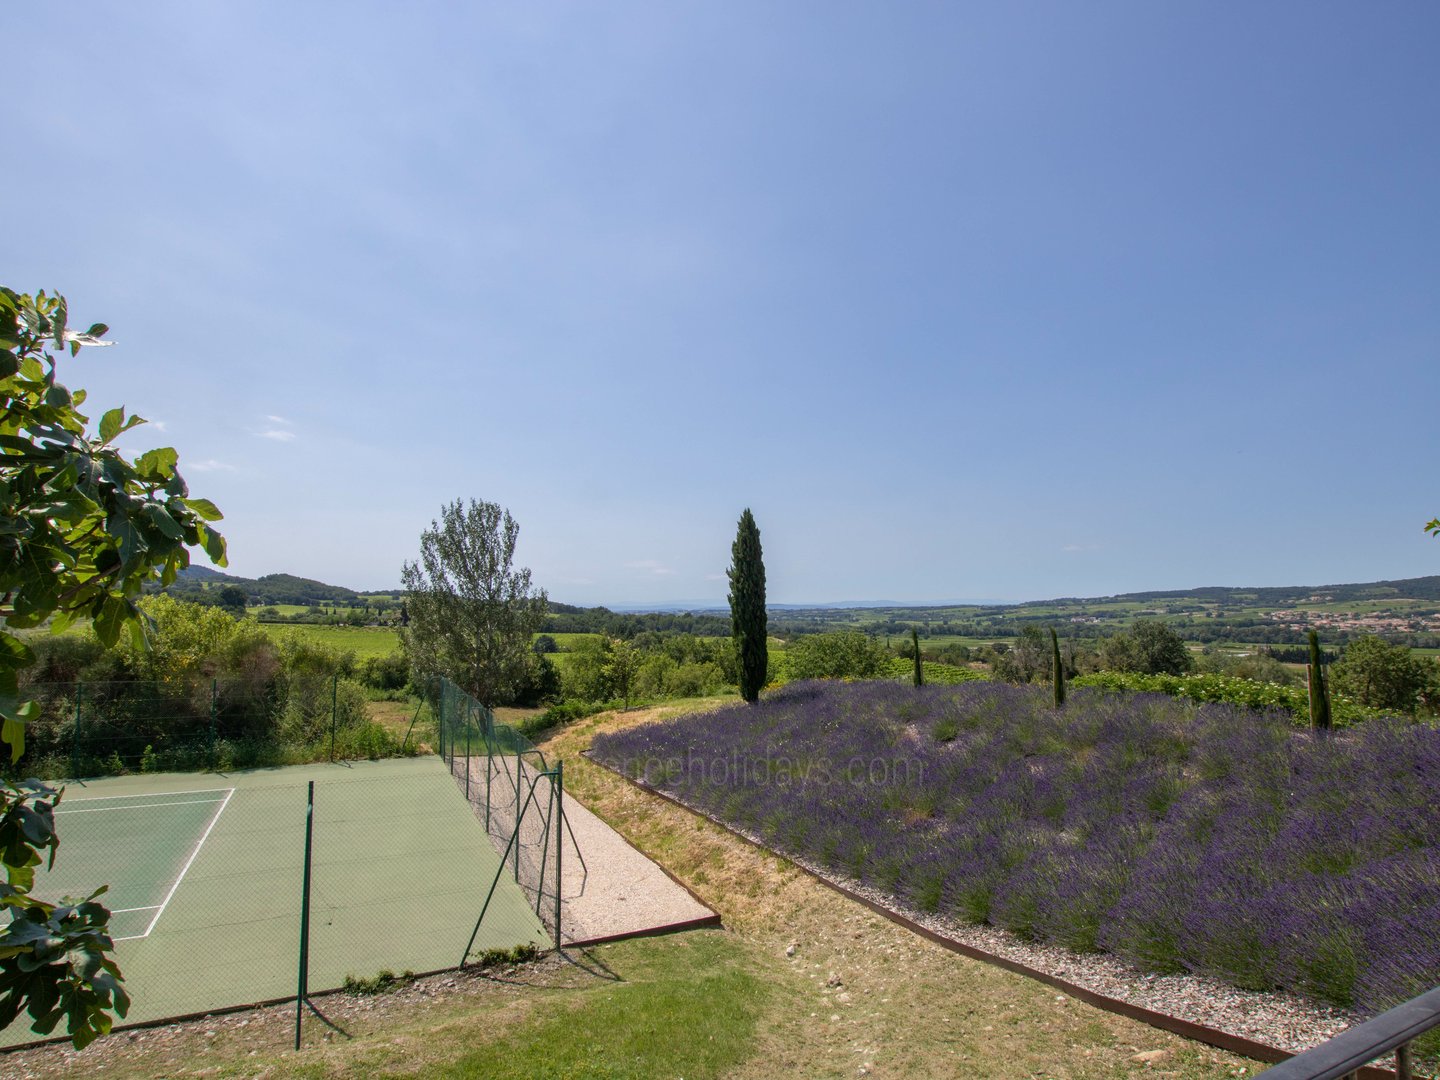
{"points": [[623, 893], [609, 891]]}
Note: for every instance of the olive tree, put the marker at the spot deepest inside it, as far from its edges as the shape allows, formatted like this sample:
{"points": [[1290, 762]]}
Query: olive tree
{"points": [[84, 529], [471, 614]]}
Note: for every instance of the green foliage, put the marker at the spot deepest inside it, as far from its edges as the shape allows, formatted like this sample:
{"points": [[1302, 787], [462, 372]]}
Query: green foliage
{"points": [[1317, 687], [385, 672], [1257, 665], [190, 639], [662, 676], [840, 654], [1150, 648], [936, 673], [519, 954], [587, 675], [232, 599], [747, 607], [1057, 670], [85, 529], [919, 664], [471, 614], [541, 684], [1382, 676], [1027, 658], [380, 983], [1236, 691], [621, 668], [53, 957], [213, 692], [563, 712]]}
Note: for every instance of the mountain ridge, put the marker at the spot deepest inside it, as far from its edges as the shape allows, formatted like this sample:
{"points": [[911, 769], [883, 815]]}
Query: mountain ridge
{"points": [[271, 587]]}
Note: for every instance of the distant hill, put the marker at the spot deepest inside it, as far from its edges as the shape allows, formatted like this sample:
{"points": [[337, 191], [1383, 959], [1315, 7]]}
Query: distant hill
{"points": [[1420, 588], [289, 589], [268, 589]]}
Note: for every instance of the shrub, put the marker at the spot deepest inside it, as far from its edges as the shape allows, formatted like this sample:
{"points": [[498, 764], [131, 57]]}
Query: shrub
{"points": [[839, 654], [1383, 676], [1231, 690], [385, 672], [380, 983], [936, 674]]}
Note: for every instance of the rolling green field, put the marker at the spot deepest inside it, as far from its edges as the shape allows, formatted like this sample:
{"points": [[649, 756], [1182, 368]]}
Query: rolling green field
{"points": [[363, 641], [570, 641]]}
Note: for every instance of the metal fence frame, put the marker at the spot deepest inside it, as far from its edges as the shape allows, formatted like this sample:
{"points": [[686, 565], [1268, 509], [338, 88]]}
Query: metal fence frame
{"points": [[1344, 1056], [516, 793]]}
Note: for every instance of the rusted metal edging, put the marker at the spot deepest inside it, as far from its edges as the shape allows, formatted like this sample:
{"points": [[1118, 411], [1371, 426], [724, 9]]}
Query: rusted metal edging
{"points": [[1390, 1031], [1189, 1029], [700, 922]]}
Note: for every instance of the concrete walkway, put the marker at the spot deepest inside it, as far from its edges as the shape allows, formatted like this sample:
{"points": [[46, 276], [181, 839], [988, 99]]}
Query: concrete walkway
{"points": [[609, 889]]}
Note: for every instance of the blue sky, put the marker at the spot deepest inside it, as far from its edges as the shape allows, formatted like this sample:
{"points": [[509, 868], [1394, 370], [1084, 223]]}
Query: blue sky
{"points": [[1010, 300]]}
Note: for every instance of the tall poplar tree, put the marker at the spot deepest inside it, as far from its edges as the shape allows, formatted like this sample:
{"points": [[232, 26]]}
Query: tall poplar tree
{"points": [[471, 613], [747, 606]]}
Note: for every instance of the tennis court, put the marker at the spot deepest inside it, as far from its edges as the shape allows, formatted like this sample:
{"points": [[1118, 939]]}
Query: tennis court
{"points": [[206, 870]]}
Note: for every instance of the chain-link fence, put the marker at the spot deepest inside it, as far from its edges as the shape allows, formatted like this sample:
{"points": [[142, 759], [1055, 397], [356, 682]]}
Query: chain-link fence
{"points": [[516, 794], [208, 879], [186, 724], [234, 882]]}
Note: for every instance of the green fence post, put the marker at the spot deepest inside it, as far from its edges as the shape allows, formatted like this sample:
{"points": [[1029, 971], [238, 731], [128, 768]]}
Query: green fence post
{"points": [[75, 732], [559, 816], [302, 990], [467, 758], [214, 693], [438, 704], [334, 701], [519, 781], [406, 741]]}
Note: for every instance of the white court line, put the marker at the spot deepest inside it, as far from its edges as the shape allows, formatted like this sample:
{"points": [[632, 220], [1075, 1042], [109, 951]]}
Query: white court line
{"points": [[122, 910], [156, 794], [138, 806], [186, 868]]}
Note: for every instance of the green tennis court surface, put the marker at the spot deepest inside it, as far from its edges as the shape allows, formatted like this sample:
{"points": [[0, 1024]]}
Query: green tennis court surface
{"points": [[205, 874]]}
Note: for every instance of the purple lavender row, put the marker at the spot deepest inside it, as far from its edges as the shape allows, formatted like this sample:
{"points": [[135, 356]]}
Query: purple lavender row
{"points": [[1207, 838]]}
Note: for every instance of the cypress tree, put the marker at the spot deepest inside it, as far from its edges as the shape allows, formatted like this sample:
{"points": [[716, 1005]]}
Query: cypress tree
{"points": [[1057, 669], [1319, 688], [747, 606], [919, 671]]}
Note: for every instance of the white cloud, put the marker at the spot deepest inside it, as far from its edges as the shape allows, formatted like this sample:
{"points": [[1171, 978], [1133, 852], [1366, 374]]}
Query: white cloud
{"points": [[652, 566], [276, 434], [716, 577], [279, 420], [208, 465], [158, 425]]}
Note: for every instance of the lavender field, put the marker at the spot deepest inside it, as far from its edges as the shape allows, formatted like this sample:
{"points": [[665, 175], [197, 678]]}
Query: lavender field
{"points": [[1184, 837]]}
